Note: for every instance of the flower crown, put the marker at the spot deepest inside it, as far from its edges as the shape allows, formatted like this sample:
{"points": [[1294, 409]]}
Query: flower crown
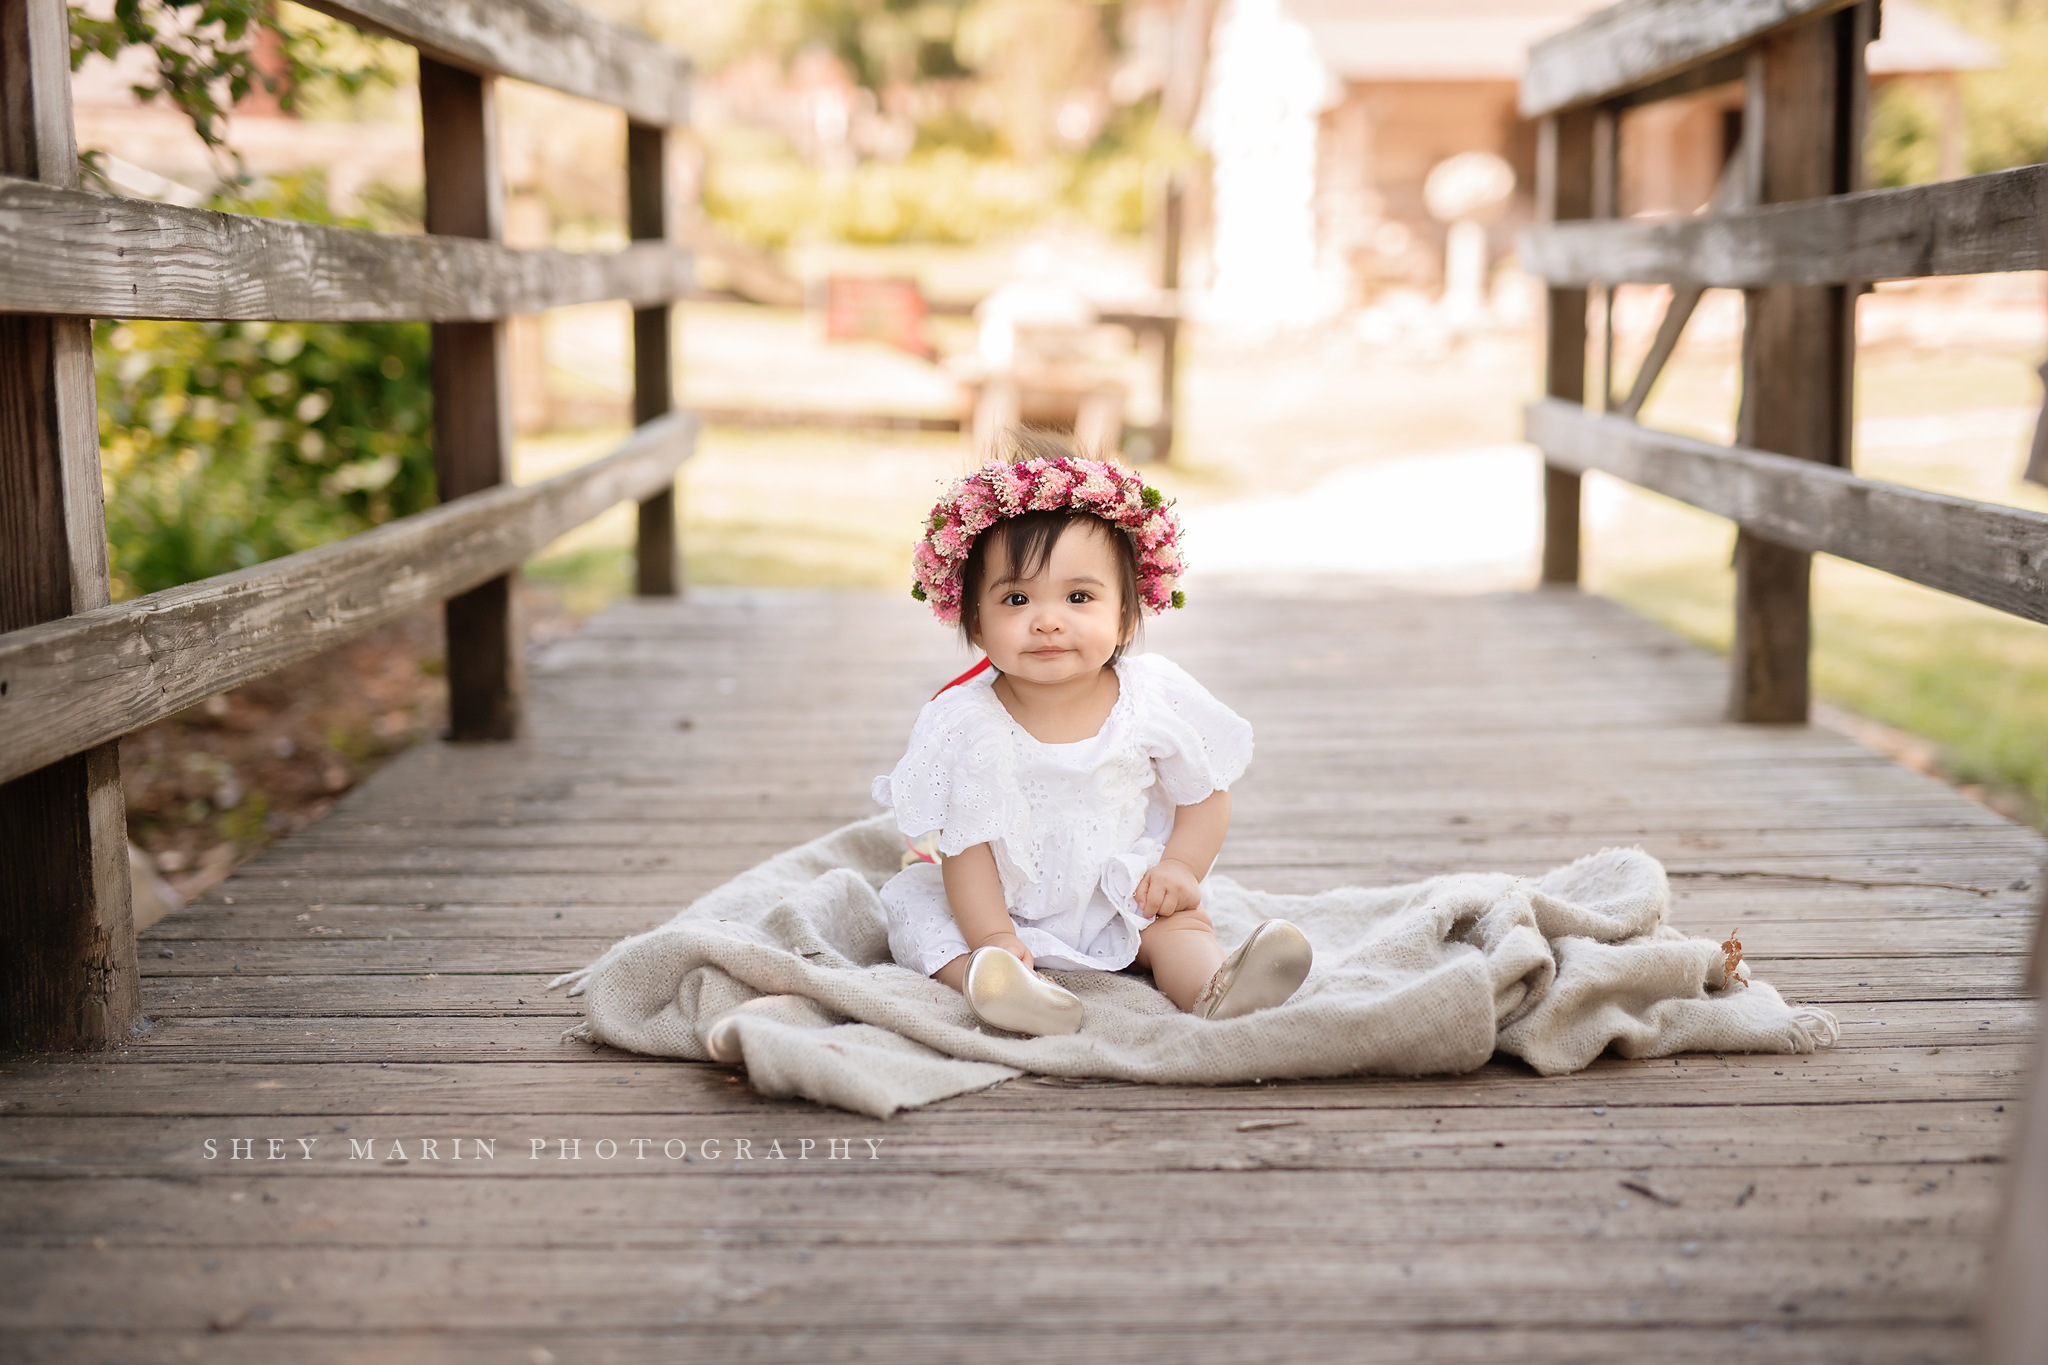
{"points": [[1006, 489]]}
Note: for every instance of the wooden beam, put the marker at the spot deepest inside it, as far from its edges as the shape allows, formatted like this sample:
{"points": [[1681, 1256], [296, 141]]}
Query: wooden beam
{"points": [[1172, 228], [658, 564], [1731, 192], [64, 251], [1564, 190], [472, 400], [1637, 42], [1990, 554], [1981, 225], [1798, 346], [546, 42], [1677, 313], [67, 937], [89, 678], [1606, 204]]}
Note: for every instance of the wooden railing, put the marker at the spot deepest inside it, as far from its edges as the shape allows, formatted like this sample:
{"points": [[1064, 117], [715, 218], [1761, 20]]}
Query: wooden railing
{"points": [[76, 672], [1790, 228], [1803, 246]]}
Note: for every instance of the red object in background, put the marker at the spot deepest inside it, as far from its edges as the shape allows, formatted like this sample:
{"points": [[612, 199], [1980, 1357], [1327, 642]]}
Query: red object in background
{"points": [[882, 310]]}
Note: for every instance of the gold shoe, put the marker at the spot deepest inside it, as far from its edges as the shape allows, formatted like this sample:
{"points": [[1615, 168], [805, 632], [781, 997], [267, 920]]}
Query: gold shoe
{"points": [[1265, 971], [1006, 994]]}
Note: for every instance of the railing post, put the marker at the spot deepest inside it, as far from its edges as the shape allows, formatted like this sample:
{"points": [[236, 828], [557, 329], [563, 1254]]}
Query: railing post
{"points": [[648, 213], [472, 400], [65, 921], [1564, 189], [1804, 123], [1173, 220]]}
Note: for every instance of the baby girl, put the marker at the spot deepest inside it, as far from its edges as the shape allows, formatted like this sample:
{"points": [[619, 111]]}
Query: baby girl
{"points": [[1078, 794]]}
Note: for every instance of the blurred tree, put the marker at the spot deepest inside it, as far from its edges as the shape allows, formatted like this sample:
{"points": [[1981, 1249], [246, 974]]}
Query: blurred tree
{"points": [[2005, 110], [209, 55], [226, 444], [1038, 57]]}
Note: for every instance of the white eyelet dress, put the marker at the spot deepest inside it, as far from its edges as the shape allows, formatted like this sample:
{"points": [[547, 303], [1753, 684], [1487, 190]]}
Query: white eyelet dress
{"points": [[1074, 827]]}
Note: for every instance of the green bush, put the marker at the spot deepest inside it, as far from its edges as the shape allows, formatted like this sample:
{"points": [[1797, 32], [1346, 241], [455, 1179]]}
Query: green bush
{"points": [[227, 444], [952, 189]]}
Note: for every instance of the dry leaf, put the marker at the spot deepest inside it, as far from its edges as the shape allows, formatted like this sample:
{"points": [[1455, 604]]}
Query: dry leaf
{"points": [[1733, 949]]}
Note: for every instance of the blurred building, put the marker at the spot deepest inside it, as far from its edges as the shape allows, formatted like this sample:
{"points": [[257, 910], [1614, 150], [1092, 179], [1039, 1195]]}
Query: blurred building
{"points": [[1420, 83]]}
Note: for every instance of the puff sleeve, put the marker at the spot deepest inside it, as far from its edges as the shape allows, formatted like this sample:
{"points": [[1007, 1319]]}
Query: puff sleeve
{"points": [[1197, 745], [957, 777]]}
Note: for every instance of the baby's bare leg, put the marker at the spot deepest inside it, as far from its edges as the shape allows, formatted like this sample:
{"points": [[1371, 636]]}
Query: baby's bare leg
{"points": [[954, 973], [1182, 953]]}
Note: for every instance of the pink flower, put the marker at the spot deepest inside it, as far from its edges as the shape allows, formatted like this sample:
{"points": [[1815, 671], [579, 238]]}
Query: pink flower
{"points": [[1009, 486], [1052, 489], [1000, 489]]}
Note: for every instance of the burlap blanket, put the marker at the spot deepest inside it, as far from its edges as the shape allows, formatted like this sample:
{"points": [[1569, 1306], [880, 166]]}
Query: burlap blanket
{"points": [[1430, 978]]}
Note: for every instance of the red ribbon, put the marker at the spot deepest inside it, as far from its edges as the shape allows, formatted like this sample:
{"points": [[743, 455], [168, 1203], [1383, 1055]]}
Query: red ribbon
{"points": [[968, 676]]}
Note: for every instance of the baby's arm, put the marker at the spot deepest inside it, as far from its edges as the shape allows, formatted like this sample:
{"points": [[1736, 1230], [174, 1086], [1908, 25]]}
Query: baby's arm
{"points": [[974, 890], [1176, 883]]}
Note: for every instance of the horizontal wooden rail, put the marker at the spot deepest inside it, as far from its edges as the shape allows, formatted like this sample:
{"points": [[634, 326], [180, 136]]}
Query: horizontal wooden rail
{"points": [[543, 41], [69, 684], [68, 252], [1989, 554], [1637, 42], [1975, 226]]}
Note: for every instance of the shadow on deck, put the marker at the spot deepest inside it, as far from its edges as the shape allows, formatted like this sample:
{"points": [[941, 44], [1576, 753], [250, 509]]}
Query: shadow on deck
{"points": [[376, 983]]}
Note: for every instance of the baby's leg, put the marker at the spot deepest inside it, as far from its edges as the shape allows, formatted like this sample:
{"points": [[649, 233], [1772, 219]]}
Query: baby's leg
{"points": [[1182, 953], [954, 973]]}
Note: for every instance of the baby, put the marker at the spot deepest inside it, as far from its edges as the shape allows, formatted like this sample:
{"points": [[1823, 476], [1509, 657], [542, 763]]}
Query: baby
{"points": [[1078, 794]]}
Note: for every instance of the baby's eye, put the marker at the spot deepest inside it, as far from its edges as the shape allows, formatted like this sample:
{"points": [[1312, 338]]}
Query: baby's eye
{"points": [[1080, 595], [1015, 599]]}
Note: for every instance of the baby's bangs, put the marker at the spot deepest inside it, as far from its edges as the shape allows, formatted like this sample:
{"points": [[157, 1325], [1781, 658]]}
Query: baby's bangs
{"points": [[1027, 540]]}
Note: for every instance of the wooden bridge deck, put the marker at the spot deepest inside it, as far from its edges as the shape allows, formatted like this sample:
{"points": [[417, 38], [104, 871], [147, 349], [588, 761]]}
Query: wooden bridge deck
{"points": [[377, 980]]}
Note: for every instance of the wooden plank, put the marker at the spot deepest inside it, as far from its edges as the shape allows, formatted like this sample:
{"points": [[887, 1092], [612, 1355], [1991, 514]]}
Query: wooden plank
{"points": [[1979, 225], [1862, 1104], [1807, 1202], [546, 42], [486, 651], [97, 675], [1638, 42], [1278, 1288], [818, 1342], [658, 564], [1564, 189], [65, 251], [1987, 553], [68, 978], [497, 1039]]}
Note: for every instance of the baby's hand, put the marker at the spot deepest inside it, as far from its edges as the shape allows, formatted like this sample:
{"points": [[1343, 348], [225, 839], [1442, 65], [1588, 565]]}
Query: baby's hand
{"points": [[1169, 888], [1010, 944]]}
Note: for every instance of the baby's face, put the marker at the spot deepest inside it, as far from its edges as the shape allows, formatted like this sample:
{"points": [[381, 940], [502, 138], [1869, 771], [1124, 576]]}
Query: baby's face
{"points": [[1061, 623]]}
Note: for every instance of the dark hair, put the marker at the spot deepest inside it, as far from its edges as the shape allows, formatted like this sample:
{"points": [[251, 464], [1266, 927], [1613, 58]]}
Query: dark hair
{"points": [[1027, 540]]}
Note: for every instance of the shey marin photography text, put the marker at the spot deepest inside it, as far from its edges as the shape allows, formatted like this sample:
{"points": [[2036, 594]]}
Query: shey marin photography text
{"points": [[401, 1150]]}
